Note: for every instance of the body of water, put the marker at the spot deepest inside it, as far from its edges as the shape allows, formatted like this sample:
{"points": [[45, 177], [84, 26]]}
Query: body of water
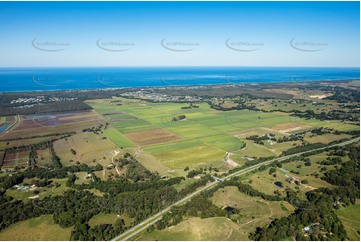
{"points": [[36, 79]]}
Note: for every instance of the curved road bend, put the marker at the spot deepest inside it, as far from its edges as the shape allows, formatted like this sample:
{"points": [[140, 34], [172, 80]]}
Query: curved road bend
{"points": [[152, 220]]}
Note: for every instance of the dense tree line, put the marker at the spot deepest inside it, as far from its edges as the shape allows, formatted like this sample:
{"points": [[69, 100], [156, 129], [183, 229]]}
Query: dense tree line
{"points": [[331, 161], [259, 139], [194, 173], [193, 187], [249, 163], [327, 227], [331, 115], [42, 183], [122, 184], [345, 95], [348, 174], [7, 182], [240, 106], [75, 208], [304, 148], [292, 137], [198, 206], [249, 190], [82, 204], [97, 129], [4, 198], [178, 118], [104, 232], [48, 106], [137, 172], [63, 135]]}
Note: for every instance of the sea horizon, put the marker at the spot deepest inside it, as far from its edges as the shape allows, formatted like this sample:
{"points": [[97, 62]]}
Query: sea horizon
{"points": [[28, 79]]}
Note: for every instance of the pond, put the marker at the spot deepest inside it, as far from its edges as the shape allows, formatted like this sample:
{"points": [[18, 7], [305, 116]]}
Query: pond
{"points": [[231, 210], [3, 127], [278, 183]]}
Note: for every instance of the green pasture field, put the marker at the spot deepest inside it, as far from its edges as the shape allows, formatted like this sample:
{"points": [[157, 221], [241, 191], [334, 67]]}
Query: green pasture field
{"points": [[44, 157], [306, 171], [119, 139], [192, 131], [62, 149], [313, 182], [187, 153], [3, 145], [240, 159], [255, 150], [254, 212], [224, 142], [278, 148], [152, 163], [3, 173], [109, 218], [264, 182], [88, 146], [96, 192], [350, 217], [160, 114], [103, 106], [309, 103], [325, 138], [257, 131], [41, 228], [44, 191], [105, 174], [82, 178], [184, 184], [322, 156], [208, 229], [283, 105], [245, 119], [208, 121], [207, 133], [119, 116], [126, 126], [337, 125]]}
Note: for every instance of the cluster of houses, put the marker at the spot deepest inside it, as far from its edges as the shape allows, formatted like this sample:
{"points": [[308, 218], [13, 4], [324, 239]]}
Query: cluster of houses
{"points": [[40, 99], [25, 188], [311, 227], [7, 170], [157, 97], [291, 180]]}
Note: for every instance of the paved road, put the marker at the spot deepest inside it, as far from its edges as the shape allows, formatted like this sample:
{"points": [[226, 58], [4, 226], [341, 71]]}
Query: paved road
{"points": [[152, 220]]}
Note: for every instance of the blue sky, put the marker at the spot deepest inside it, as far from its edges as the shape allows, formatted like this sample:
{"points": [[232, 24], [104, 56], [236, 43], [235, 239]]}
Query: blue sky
{"points": [[42, 34]]}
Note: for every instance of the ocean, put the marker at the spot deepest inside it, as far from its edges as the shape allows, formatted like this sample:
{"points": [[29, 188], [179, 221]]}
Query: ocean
{"points": [[40, 79]]}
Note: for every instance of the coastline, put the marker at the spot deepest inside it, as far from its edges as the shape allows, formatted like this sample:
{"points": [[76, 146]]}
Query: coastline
{"points": [[177, 86]]}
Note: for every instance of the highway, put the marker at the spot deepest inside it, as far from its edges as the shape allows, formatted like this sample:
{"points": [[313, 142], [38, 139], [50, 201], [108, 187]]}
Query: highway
{"points": [[152, 220]]}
